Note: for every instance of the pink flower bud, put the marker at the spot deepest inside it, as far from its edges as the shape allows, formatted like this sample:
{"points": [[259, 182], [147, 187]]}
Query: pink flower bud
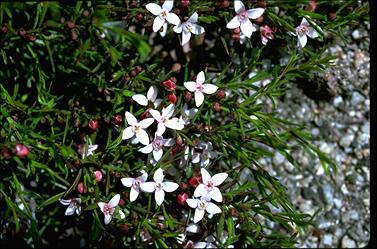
{"points": [[181, 199], [117, 119], [93, 124], [98, 175], [185, 3], [216, 107], [21, 150], [169, 85], [80, 187], [194, 180], [187, 95], [172, 98], [220, 94]]}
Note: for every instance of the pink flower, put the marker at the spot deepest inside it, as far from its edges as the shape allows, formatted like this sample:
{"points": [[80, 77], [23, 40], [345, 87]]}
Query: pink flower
{"points": [[21, 150], [109, 208]]}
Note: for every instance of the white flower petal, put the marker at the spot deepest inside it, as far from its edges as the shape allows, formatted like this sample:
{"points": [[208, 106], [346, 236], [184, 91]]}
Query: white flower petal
{"points": [[157, 154], [143, 177], [168, 5], [238, 6], [247, 28], [164, 29], [70, 210], [168, 111], [168, 142], [312, 33], [204, 163], [134, 193], [155, 114], [158, 23], [158, 176], [147, 149], [170, 186], [193, 228], [155, 9], [160, 129], [255, 13], [193, 18], [173, 19], [131, 120], [200, 77], [199, 214], [107, 219], [127, 133], [121, 214], [114, 201], [200, 245], [193, 203], [127, 181], [148, 187], [206, 177], [219, 178], [302, 40], [159, 197], [157, 102], [174, 124], [101, 205], [209, 88], [134, 140], [78, 210], [143, 137], [145, 123], [177, 29], [185, 37], [197, 29], [234, 23], [152, 93], [200, 190], [140, 99], [199, 98], [215, 194], [304, 22], [65, 202], [213, 208], [195, 158], [190, 85]]}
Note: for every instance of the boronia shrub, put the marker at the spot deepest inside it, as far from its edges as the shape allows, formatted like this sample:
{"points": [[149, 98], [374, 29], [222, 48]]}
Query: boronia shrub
{"points": [[141, 123]]}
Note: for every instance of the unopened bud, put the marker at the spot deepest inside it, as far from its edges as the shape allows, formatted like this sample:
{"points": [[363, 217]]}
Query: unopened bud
{"points": [[138, 69], [172, 98], [70, 24], [181, 199], [194, 181], [93, 124], [225, 4], [117, 119], [216, 107], [187, 96], [139, 16], [98, 175], [21, 150], [176, 67], [133, 73], [311, 6], [220, 94], [236, 30], [185, 3], [169, 85], [81, 188]]}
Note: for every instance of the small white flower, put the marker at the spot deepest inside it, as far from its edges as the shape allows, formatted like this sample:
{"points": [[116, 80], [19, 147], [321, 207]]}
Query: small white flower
{"points": [[304, 30], [163, 15], [202, 153], [88, 149], [201, 205], [207, 244], [151, 96], [159, 187], [209, 185], [74, 205], [164, 120], [199, 88], [156, 146], [189, 27], [242, 18], [134, 183], [109, 208], [187, 114], [136, 128]]}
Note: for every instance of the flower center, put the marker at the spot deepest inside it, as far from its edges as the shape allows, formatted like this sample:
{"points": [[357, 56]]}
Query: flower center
{"points": [[201, 205], [243, 17], [199, 87], [157, 143], [158, 186], [302, 29], [209, 186], [136, 183], [136, 128], [187, 27], [164, 14], [107, 209]]}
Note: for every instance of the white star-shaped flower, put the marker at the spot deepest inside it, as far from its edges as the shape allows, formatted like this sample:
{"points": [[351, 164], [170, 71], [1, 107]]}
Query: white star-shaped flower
{"points": [[304, 30], [202, 153], [136, 128], [164, 120], [134, 183], [159, 187], [151, 96], [242, 18], [199, 88], [201, 205], [109, 208], [189, 27], [74, 205], [163, 15], [209, 185], [156, 146]]}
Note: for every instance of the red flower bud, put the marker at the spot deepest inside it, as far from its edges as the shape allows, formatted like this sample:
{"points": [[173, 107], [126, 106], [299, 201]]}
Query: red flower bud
{"points": [[145, 114], [138, 69], [172, 98], [117, 119], [98, 175], [81, 188], [139, 16], [225, 4], [216, 107], [93, 124], [133, 73], [21, 150], [185, 3], [237, 30], [187, 96], [169, 85], [71, 25], [181, 199], [123, 228], [194, 180], [220, 94], [179, 141], [312, 6], [22, 32]]}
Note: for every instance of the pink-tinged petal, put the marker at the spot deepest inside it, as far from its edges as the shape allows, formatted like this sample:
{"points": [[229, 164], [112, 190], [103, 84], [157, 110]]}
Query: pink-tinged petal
{"points": [[185, 37], [145, 123], [215, 194], [190, 85], [155, 9], [178, 28], [200, 191], [131, 120], [213, 208], [234, 23], [152, 93], [107, 218], [65, 202], [200, 78], [199, 98], [168, 5], [140, 99], [168, 111], [193, 203], [302, 40], [143, 137], [127, 181], [127, 133], [170, 186], [199, 214], [195, 158], [312, 33], [70, 210], [159, 197], [238, 6], [219, 178], [157, 154], [197, 29], [134, 193], [143, 177], [173, 19], [158, 23], [255, 13], [147, 149], [193, 18], [155, 114], [206, 177], [158, 175], [247, 28], [168, 142], [114, 201], [101, 205], [174, 124], [148, 187], [209, 88]]}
